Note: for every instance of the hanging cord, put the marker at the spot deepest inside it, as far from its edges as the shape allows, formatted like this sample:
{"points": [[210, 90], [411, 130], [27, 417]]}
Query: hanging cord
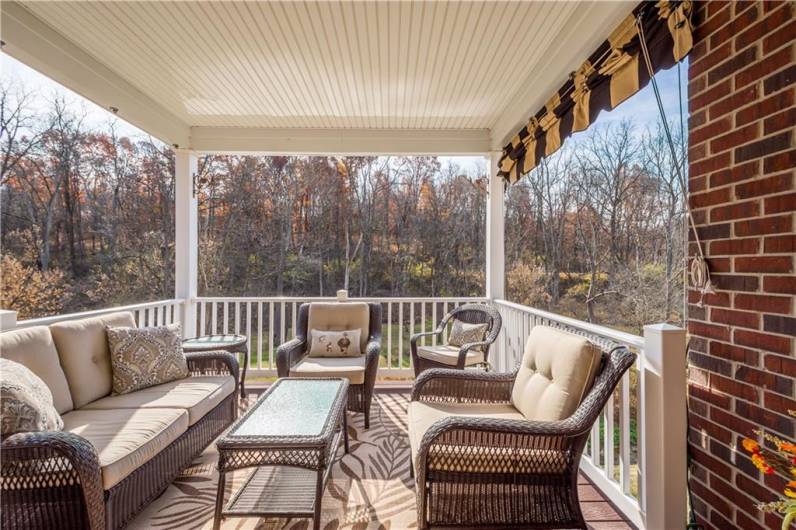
{"points": [[699, 271]]}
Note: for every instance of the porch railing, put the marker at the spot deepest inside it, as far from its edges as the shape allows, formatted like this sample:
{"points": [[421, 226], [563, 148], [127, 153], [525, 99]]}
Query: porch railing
{"points": [[159, 313], [270, 321], [636, 451]]}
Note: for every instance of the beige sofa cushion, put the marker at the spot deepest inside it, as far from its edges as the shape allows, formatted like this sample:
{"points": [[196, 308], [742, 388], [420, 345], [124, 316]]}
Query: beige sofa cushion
{"points": [[35, 349], [125, 439], [449, 355], [198, 395], [334, 316], [556, 371], [351, 368], [496, 460], [83, 349]]}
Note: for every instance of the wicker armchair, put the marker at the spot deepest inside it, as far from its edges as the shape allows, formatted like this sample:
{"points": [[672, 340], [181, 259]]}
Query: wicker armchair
{"points": [[292, 357], [53, 479], [471, 354], [504, 471]]}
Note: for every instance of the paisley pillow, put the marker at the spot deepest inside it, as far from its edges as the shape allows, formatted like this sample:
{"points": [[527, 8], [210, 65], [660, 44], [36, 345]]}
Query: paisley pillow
{"points": [[26, 404], [144, 357], [463, 333]]}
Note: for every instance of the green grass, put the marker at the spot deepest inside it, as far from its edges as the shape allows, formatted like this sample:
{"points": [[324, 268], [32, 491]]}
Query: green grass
{"points": [[262, 351]]}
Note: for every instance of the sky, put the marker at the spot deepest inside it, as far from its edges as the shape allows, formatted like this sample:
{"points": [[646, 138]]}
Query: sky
{"points": [[642, 107]]}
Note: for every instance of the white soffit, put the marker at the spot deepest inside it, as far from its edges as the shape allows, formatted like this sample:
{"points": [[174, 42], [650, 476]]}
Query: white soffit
{"points": [[321, 71]]}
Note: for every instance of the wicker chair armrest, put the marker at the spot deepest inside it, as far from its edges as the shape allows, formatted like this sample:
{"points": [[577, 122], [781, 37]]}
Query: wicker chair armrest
{"points": [[462, 386], [214, 362], [417, 336], [56, 456], [289, 354]]}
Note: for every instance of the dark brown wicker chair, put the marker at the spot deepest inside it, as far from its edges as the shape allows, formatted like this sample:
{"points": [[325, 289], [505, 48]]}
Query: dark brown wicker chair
{"points": [[501, 473], [53, 479], [294, 351], [470, 314]]}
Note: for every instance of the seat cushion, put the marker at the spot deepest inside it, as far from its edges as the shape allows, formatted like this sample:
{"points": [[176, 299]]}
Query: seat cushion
{"points": [[198, 395], [351, 368], [556, 372], [480, 459], [449, 355], [342, 316], [83, 348], [125, 439], [34, 348]]}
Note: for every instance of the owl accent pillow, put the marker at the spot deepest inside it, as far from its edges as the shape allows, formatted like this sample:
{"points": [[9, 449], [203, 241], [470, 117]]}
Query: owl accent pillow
{"points": [[144, 357], [335, 343], [26, 404], [463, 333]]}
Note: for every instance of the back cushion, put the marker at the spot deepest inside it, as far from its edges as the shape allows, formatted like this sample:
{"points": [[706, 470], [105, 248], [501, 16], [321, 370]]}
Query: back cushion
{"points": [[556, 372], [83, 348], [333, 316], [34, 349]]}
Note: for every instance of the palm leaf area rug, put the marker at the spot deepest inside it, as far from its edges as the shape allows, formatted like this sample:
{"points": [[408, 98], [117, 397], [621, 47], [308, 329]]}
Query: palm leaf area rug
{"points": [[369, 488]]}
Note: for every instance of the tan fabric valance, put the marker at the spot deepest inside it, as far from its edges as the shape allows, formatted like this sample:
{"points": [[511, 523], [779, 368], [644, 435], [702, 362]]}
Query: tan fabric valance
{"points": [[613, 73]]}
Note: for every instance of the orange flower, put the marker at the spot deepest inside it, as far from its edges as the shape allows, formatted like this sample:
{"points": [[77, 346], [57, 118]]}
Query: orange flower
{"points": [[751, 445], [788, 447], [760, 463], [790, 493]]}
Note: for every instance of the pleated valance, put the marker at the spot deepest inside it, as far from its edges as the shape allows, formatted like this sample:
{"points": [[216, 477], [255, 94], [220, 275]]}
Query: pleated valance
{"points": [[613, 73]]}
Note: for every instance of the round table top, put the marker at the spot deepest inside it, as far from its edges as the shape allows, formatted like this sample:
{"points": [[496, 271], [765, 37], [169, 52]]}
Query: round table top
{"points": [[213, 342]]}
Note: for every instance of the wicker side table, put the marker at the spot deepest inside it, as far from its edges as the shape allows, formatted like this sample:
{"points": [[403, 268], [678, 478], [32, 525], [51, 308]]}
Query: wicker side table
{"points": [[231, 343], [290, 435]]}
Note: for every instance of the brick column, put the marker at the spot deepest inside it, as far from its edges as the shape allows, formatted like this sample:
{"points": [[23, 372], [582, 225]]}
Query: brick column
{"points": [[741, 178]]}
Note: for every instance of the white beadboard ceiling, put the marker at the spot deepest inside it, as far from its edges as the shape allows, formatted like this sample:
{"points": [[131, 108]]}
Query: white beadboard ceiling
{"points": [[430, 65]]}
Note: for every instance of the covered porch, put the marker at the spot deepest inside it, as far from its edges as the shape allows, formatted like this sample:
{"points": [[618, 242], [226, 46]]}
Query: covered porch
{"points": [[166, 70]]}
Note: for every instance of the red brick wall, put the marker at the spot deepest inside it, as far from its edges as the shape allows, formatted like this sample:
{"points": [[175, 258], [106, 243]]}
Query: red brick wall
{"points": [[742, 156]]}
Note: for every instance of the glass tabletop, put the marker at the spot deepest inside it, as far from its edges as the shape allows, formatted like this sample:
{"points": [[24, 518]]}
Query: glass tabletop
{"points": [[294, 407], [215, 339]]}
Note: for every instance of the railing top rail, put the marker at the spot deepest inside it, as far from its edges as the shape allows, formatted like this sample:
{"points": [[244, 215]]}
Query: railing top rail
{"points": [[43, 321], [332, 298], [615, 335]]}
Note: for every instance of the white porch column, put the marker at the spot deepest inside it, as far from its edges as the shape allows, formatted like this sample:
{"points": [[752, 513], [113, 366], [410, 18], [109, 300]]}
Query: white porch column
{"points": [[186, 238], [8, 319], [662, 475], [495, 235]]}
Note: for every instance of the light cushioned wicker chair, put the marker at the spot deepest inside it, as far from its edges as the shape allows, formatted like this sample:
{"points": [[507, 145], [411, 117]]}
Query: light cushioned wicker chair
{"points": [[293, 359], [469, 354], [502, 449]]}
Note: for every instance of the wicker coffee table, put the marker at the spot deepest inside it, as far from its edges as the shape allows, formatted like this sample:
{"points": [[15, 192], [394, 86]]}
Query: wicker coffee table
{"points": [[290, 435]]}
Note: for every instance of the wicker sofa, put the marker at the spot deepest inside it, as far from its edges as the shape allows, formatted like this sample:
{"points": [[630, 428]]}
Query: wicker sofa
{"points": [[502, 450], [116, 453]]}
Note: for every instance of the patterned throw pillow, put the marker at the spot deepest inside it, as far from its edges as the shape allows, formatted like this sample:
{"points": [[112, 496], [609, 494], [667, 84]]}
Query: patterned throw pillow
{"points": [[335, 343], [26, 404], [463, 333], [144, 357]]}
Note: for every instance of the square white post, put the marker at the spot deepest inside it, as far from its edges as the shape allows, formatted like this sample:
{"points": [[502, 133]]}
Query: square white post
{"points": [[186, 238], [8, 319], [495, 235], [662, 476]]}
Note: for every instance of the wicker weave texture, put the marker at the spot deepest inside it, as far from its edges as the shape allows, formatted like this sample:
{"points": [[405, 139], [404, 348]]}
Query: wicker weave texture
{"points": [[501, 473], [53, 479]]}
